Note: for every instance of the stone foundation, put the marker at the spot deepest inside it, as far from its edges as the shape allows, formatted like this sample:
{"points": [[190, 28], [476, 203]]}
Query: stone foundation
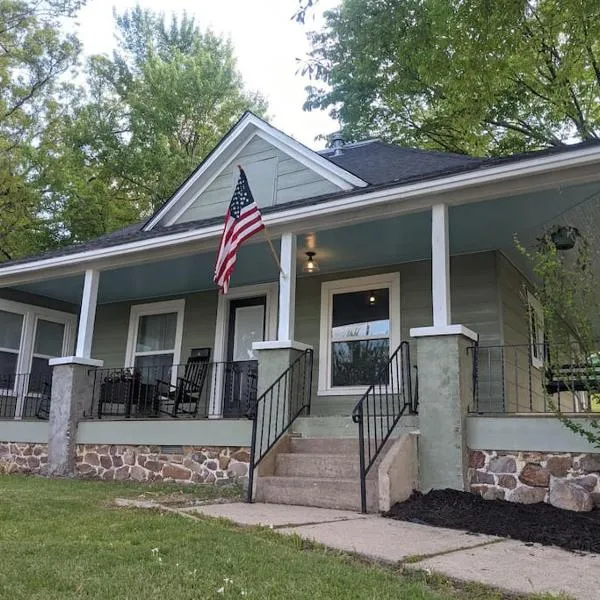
{"points": [[565, 480], [181, 464], [23, 457]]}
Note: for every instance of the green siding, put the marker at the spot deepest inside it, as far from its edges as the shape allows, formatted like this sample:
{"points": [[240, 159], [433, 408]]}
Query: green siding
{"points": [[474, 299], [112, 326], [474, 304]]}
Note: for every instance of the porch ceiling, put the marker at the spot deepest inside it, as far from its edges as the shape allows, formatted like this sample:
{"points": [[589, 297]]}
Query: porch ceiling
{"points": [[473, 228]]}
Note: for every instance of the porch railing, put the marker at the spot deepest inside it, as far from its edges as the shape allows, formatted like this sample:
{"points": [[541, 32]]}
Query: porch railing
{"points": [[380, 409], [534, 378], [25, 395], [217, 389], [277, 409]]}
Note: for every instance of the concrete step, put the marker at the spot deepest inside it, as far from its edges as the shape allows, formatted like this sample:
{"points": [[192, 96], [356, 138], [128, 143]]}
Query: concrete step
{"points": [[324, 446], [341, 466], [343, 427], [343, 494]]}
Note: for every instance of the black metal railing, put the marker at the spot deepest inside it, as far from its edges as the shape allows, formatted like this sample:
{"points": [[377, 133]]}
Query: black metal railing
{"points": [[25, 395], [191, 390], [380, 409], [277, 409], [535, 378]]}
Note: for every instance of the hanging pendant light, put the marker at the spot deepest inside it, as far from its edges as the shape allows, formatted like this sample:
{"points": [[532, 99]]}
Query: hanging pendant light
{"points": [[311, 266]]}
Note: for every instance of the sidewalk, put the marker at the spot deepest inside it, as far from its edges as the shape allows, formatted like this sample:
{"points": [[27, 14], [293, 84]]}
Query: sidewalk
{"points": [[508, 564]]}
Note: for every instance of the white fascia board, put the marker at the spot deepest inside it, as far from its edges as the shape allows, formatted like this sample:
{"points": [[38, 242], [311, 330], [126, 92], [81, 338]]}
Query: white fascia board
{"points": [[421, 192], [233, 144]]}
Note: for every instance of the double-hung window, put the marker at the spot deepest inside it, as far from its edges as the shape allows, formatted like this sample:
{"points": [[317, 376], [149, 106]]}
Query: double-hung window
{"points": [[154, 341], [360, 328], [29, 337]]}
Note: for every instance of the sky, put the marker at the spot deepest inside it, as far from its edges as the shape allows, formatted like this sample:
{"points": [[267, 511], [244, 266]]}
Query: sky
{"points": [[267, 43]]}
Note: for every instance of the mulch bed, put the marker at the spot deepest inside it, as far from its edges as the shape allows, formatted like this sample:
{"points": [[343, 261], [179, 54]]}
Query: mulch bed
{"points": [[540, 523]]}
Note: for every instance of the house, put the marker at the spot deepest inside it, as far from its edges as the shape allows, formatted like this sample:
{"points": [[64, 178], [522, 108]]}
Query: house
{"points": [[399, 345]]}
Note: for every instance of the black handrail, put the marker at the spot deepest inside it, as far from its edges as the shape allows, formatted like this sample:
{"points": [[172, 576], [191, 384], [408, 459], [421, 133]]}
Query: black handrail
{"points": [[380, 409], [277, 408]]}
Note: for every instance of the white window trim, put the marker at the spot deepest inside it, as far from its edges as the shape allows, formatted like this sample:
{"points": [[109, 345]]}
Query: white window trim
{"points": [[31, 315], [154, 308], [340, 286], [535, 311]]}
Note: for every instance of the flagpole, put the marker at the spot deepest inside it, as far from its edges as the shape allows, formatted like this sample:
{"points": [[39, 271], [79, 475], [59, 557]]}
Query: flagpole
{"points": [[268, 238], [273, 251]]}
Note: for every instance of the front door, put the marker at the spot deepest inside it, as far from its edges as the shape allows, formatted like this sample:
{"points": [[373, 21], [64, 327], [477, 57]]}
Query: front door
{"points": [[246, 325]]}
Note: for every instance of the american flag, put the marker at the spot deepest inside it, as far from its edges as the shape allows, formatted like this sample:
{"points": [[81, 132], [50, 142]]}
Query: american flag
{"points": [[242, 221]]}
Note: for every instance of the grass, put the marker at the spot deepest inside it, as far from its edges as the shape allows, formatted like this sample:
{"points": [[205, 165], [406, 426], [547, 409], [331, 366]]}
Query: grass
{"points": [[62, 539]]}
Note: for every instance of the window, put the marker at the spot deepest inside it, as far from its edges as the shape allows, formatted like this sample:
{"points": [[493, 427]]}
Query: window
{"points": [[11, 326], [48, 343], [360, 327], [29, 337], [536, 330], [154, 341]]}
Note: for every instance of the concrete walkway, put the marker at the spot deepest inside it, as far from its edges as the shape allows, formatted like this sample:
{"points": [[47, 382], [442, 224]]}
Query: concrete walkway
{"points": [[498, 562]]}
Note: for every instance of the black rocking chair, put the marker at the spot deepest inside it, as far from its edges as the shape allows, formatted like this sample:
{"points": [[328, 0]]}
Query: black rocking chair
{"points": [[43, 406], [188, 389]]}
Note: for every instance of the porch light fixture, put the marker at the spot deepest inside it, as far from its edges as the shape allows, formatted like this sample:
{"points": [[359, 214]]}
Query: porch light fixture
{"points": [[311, 266], [372, 298]]}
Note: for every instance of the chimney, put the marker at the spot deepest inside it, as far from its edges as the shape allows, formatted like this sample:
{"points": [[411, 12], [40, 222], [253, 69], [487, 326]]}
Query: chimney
{"points": [[337, 143]]}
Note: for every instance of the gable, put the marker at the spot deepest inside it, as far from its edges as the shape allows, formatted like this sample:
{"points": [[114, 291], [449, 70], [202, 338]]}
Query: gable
{"points": [[279, 170], [274, 178]]}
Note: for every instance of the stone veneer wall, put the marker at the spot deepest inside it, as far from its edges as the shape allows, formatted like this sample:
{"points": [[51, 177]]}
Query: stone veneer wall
{"points": [[193, 464], [186, 464], [17, 457], [566, 480]]}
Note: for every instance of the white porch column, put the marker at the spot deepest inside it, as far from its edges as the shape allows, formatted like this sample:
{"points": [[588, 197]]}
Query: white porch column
{"points": [[440, 266], [87, 313], [287, 288]]}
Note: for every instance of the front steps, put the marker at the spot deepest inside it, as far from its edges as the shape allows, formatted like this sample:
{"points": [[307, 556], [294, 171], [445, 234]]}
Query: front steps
{"points": [[321, 472]]}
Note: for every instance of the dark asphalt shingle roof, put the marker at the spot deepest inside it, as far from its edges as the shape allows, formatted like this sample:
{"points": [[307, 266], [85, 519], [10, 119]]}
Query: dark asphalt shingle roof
{"points": [[381, 165], [377, 162]]}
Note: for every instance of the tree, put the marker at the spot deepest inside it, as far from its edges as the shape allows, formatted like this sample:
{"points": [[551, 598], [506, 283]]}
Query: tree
{"points": [[567, 289], [149, 115], [472, 76], [33, 56]]}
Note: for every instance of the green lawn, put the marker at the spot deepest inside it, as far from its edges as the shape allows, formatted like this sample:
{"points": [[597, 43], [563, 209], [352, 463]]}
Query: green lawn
{"points": [[64, 540]]}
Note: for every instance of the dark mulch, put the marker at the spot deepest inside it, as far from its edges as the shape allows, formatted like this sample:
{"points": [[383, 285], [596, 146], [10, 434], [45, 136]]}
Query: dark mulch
{"points": [[540, 523]]}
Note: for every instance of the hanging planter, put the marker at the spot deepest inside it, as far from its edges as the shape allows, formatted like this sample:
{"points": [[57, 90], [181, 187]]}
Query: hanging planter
{"points": [[564, 236]]}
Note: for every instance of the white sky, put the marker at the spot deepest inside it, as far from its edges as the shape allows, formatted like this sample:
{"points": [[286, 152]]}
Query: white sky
{"points": [[266, 41]]}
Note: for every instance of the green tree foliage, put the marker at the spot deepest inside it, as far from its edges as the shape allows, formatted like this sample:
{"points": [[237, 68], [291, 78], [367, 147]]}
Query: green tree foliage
{"points": [[33, 55], [148, 116], [567, 289], [474, 76]]}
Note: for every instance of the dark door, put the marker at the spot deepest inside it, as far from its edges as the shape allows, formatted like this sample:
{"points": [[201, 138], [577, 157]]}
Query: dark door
{"points": [[246, 325]]}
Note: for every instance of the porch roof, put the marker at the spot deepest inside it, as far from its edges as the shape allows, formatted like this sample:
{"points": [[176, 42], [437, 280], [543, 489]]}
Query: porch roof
{"points": [[383, 161], [475, 227]]}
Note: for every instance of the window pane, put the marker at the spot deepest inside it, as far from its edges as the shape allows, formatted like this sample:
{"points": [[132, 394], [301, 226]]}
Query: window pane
{"points": [[358, 363], [49, 338], [156, 332], [8, 363], [10, 330], [361, 314], [155, 366]]}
